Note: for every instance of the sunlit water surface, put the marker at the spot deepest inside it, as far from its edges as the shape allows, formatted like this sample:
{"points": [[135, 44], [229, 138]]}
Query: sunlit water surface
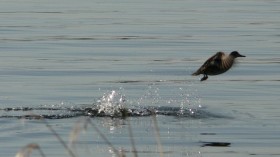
{"points": [[114, 65]]}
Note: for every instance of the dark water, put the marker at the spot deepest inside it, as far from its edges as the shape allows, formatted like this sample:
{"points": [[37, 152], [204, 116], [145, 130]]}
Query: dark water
{"points": [[65, 61]]}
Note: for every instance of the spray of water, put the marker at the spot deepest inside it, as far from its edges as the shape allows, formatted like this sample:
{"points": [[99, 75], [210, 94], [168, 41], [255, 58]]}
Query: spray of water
{"points": [[112, 103], [171, 100]]}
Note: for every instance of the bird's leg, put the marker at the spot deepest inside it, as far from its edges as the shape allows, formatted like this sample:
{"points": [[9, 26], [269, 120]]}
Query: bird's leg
{"points": [[205, 77]]}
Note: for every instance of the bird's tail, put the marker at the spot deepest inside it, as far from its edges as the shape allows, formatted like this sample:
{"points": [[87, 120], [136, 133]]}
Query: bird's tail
{"points": [[196, 73]]}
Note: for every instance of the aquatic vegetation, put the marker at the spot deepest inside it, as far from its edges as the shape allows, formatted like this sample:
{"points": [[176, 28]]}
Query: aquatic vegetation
{"points": [[82, 125], [27, 150]]}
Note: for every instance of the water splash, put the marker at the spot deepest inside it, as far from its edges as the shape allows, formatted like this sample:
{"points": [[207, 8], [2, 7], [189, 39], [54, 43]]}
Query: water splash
{"points": [[111, 104], [184, 99], [151, 96], [168, 100]]}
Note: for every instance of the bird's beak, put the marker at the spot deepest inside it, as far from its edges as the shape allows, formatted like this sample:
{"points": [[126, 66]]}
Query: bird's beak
{"points": [[241, 55]]}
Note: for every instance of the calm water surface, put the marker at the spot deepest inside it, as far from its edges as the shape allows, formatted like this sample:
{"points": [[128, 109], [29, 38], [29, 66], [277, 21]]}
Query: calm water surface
{"points": [[59, 58]]}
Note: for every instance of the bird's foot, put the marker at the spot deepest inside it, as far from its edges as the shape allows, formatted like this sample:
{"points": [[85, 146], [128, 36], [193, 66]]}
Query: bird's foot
{"points": [[205, 77]]}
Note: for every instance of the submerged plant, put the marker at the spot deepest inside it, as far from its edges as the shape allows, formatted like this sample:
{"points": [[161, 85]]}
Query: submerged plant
{"points": [[27, 150], [79, 127]]}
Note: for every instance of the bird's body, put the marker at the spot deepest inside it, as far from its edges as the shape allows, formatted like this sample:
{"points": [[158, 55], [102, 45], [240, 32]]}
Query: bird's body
{"points": [[217, 64]]}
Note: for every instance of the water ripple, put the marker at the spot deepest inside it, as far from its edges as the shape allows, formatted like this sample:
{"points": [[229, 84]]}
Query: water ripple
{"points": [[62, 113]]}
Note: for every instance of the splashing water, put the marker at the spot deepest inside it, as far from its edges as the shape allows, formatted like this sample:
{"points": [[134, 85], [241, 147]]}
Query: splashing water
{"points": [[170, 101], [178, 100], [111, 103]]}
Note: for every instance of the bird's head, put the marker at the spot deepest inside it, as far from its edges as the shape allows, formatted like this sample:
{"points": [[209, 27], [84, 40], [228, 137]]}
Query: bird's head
{"points": [[236, 54]]}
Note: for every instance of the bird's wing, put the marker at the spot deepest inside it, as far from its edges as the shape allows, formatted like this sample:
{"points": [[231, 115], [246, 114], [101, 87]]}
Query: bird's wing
{"points": [[213, 61]]}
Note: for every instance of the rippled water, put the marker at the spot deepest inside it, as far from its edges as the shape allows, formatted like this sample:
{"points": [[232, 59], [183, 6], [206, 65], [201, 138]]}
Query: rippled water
{"points": [[119, 63]]}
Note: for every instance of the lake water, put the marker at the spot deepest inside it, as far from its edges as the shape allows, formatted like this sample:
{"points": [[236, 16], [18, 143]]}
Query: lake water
{"points": [[66, 59]]}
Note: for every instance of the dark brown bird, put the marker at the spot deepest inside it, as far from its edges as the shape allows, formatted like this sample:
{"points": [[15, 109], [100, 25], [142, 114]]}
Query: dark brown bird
{"points": [[217, 64]]}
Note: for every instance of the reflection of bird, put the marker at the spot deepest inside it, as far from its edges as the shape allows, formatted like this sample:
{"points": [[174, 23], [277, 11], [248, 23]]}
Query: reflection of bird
{"points": [[217, 64]]}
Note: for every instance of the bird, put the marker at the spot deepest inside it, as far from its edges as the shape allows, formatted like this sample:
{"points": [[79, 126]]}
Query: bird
{"points": [[217, 64]]}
